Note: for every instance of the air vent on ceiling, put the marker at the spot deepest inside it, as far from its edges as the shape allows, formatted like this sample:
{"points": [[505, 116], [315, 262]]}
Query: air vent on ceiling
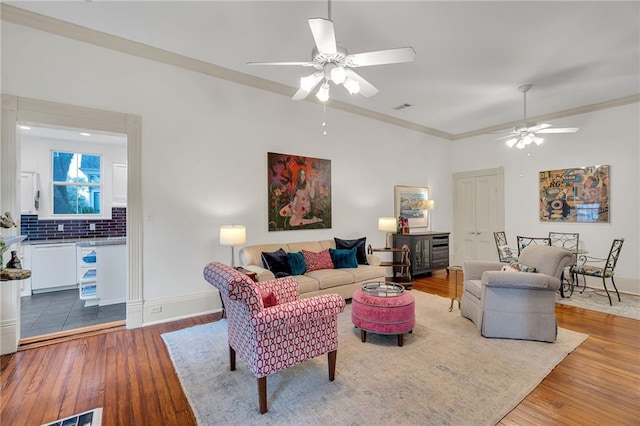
{"points": [[402, 106]]}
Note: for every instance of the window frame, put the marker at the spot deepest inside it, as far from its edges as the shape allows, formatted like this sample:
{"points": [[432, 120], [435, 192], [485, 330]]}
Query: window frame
{"points": [[100, 185]]}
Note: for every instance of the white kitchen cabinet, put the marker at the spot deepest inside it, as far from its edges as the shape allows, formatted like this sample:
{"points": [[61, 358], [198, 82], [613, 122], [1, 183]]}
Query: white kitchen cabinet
{"points": [[29, 193], [53, 267], [112, 274], [119, 192]]}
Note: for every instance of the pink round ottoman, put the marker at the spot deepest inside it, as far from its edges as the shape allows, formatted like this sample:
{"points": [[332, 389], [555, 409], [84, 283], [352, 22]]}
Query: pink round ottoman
{"points": [[383, 315]]}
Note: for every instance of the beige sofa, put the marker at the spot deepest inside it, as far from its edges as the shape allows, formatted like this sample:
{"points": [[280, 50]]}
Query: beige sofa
{"points": [[343, 281]]}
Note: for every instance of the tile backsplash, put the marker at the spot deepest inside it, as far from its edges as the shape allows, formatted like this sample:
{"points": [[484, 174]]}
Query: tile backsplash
{"points": [[74, 229]]}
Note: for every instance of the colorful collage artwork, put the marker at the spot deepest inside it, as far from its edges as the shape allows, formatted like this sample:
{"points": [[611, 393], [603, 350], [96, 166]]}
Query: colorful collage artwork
{"points": [[575, 195]]}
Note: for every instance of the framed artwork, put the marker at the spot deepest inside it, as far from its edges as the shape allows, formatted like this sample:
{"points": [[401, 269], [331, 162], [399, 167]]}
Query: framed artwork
{"points": [[299, 192], [575, 195], [411, 204]]}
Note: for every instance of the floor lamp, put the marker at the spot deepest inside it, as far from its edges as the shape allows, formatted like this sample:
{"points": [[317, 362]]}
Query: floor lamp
{"points": [[233, 235]]}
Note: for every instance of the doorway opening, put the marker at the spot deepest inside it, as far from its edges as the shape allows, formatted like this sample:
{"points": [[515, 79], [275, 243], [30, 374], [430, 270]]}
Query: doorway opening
{"points": [[73, 213]]}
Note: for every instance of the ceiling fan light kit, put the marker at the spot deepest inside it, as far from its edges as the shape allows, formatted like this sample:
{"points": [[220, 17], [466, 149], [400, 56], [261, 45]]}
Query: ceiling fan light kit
{"points": [[527, 133], [334, 63]]}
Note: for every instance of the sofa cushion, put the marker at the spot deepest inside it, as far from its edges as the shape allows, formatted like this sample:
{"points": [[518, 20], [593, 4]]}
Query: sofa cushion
{"points": [[359, 244], [328, 278], [344, 258], [277, 262], [296, 263], [315, 261], [307, 284], [367, 272]]}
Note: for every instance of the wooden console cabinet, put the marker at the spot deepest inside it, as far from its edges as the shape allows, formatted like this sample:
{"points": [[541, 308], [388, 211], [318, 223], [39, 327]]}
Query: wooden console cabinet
{"points": [[429, 251]]}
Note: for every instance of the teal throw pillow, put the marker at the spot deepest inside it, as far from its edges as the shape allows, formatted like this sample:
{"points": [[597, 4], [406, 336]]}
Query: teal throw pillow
{"points": [[344, 258], [296, 263]]}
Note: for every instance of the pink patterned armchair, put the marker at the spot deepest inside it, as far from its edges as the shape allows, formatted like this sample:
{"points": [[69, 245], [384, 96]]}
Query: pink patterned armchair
{"points": [[270, 339]]}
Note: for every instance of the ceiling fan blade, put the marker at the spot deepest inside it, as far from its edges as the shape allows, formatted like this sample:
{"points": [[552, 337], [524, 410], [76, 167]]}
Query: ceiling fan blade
{"points": [[367, 89], [304, 64], [323, 35], [559, 130], [381, 57], [509, 136], [538, 127], [308, 86]]}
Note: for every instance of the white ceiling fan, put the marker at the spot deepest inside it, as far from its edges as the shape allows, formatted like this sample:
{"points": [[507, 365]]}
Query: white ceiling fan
{"points": [[526, 133], [334, 63]]}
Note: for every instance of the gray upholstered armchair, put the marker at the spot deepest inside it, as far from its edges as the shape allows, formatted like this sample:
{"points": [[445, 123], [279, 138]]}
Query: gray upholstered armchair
{"points": [[513, 304]]}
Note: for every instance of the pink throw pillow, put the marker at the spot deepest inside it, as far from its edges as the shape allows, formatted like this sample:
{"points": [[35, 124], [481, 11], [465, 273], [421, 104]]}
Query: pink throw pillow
{"points": [[316, 261], [268, 298]]}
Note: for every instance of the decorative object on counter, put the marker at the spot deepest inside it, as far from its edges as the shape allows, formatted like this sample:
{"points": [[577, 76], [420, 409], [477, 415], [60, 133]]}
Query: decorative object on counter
{"points": [[14, 262], [233, 235], [6, 221], [388, 225]]}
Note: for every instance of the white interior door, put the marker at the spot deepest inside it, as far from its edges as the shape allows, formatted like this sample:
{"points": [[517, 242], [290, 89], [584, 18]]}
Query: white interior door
{"points": [[479, 211]]}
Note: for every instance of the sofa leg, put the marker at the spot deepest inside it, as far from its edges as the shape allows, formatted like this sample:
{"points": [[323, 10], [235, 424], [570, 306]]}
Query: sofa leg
{"points": [[333, 355], [232, 359], [262, 394]]}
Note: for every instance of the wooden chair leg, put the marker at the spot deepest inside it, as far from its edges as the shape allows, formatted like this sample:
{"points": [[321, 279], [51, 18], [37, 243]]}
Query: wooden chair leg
{"points": [[262, 394], [333, 355], [232, 359]]}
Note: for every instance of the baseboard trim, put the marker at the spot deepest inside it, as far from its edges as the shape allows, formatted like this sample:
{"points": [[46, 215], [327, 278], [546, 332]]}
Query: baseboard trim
{"points": [[158, 311]]}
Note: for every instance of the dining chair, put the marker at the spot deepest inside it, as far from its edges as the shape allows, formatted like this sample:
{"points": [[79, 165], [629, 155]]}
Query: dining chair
{"points": [[525, 241], [605, 271], [505, 253], [568, 241]]}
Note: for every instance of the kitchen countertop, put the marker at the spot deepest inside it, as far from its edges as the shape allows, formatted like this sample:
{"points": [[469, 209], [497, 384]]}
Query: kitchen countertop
{"points": [[81, 242]]}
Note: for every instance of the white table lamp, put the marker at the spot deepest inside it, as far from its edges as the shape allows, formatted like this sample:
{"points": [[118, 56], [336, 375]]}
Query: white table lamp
{"points": [[430, 205], [390, 226], [233, 235]]}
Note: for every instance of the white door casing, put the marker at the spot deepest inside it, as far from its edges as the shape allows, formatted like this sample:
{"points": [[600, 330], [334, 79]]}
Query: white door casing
{"points": [[478, 205], [24, 110]]}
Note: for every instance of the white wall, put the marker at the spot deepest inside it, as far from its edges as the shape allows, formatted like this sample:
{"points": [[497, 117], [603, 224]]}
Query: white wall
{"points": [[610, 137], [205, 143], [204, 149]]}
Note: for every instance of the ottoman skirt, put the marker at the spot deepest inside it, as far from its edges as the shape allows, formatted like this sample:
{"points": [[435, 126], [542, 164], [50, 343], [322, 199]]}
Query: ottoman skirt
{"points": [[383, 315]]}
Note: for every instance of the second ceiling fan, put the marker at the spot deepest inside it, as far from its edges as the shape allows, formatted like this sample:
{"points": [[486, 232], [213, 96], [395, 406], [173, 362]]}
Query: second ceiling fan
{"points": [[334, 63], [527, 133]]}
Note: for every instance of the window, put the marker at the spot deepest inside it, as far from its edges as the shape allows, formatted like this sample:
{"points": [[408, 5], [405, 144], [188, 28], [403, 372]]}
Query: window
{"points": [[76, 183]]}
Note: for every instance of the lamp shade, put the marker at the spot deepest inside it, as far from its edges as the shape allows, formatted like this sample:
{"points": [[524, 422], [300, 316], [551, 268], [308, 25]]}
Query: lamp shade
{"points": [[387, 224], [233, 235]]}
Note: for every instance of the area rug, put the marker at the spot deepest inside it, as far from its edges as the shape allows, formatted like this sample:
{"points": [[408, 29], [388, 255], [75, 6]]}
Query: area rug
{"points": [[445, 373], [629, 306]]}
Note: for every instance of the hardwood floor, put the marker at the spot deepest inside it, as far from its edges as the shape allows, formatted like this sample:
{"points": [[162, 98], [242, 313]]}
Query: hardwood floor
{"points": [[129, 374]]}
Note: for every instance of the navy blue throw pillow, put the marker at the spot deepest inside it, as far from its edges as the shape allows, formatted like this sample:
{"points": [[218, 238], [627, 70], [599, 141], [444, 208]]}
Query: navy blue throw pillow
{"points": [[277, 262], [296, 263], [344, 258], [359, 244]]}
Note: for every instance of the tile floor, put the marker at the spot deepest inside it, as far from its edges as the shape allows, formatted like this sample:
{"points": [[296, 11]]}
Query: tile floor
{"points": [[63, 310]]}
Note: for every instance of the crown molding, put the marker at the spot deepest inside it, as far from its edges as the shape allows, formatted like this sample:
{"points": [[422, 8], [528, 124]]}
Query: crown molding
{"points": [[65, 29], [553, 116]]}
